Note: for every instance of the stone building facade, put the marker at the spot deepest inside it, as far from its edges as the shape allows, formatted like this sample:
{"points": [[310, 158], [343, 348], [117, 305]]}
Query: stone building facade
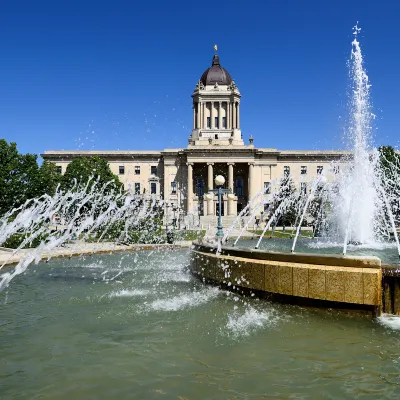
{"points": [[183, 176]]}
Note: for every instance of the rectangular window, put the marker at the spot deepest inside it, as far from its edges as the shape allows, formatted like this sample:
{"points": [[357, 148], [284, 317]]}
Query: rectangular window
{"points": [[224, 122], [59, 169], [286, 170], [153, 188], [208, 122], [267, 187], [303, 188], [121, 170], [173, 187], [336, 169], [154, 169], [303, 170], [137, 170], [320, 168], [216, 123], [137, 188]]}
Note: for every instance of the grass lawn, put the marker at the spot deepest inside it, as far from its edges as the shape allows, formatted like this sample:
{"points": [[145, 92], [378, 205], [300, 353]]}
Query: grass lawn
{"points": [[279, 234]]}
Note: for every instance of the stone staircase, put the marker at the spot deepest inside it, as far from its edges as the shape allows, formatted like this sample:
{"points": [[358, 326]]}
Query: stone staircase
{"points": [[227, 221]]}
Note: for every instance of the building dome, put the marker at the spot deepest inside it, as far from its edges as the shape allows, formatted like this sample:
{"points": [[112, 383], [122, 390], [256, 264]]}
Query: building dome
{"points": [[216, 74]]}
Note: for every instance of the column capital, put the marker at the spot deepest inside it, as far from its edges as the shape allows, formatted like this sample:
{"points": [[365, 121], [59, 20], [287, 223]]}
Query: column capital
{"points": [[210, 163], [190, 163], [251, 163], [230, 163]]}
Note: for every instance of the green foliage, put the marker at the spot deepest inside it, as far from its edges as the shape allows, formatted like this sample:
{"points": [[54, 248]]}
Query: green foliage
{"points": [[21, 178], [18, 174], [16, 240], [147, 230], [389, 163], [188, 234], [287, 189], [49, 178], [95, 168]]}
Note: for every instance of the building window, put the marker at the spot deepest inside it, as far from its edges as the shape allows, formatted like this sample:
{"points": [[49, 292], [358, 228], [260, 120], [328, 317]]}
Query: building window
{"points": [[303, 188], [224, 122], [154, 169], [137, 188], [216, 122], [121, 170], [59, 169], [320, 168], [208, 122], [303, 170], [336, 169], [153, 188], [173, 187], [267, 187], [122, 187], [137, 170], [286, 170]]}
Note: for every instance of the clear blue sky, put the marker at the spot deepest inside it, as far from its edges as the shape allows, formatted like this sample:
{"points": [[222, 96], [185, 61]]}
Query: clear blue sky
{"points": [[119, 74]]}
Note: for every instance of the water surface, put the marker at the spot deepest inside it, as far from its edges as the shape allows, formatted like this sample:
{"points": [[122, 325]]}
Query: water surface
{"points": [[139, 326]]}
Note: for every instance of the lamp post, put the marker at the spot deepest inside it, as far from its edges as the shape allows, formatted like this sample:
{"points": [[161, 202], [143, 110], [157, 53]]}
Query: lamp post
{"points": [[174, 219], [219, 182]]}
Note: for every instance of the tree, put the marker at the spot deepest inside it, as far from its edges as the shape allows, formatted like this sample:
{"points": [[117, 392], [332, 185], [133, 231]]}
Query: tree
{"points": [[48, 178], [18, 176], [82, 169], [287, 192], [389, 165]]}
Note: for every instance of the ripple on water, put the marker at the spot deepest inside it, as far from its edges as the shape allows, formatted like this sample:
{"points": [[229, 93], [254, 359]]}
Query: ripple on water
{"points": [[129, 293], [390, 321], [187, 300], [244, 324]]}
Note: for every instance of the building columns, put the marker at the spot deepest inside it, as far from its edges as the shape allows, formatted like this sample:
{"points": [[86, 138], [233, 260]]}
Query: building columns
{"points": [[189, 187], [231, 204], [238, 115], [228, 116], [210, 186], [198, 115], [194, 116], [251, 181]]}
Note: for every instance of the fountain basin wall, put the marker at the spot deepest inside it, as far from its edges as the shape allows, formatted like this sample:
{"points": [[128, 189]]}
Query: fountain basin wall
{"points": [[321, 279]]}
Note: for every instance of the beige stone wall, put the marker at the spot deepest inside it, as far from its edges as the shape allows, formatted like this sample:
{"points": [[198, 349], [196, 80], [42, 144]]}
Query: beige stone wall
{"points": [[129, 178], [268, 166], [356, 285]]}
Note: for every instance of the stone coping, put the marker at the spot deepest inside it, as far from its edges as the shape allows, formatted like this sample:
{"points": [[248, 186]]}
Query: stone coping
{"points": [[333, 285], [78, 250], [303, 258]]}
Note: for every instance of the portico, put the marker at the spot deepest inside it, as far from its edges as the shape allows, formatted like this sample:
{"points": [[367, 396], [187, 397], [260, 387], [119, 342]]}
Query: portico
{"points": [[200, 181]]}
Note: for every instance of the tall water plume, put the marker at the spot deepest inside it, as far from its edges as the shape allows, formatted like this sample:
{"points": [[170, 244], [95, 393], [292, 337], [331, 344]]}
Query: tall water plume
{"points": [[358, 199]]}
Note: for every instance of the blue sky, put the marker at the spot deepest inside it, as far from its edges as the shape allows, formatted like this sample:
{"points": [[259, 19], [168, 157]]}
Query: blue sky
{"points": [[119, 74]]}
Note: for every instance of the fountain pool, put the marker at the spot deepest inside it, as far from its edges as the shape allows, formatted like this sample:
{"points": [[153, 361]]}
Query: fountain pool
{"points": [[140, 326], [386, 251]]}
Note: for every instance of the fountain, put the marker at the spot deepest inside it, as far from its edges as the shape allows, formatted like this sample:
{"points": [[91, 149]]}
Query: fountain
{"points": [[109, 325], [353, 208]]}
